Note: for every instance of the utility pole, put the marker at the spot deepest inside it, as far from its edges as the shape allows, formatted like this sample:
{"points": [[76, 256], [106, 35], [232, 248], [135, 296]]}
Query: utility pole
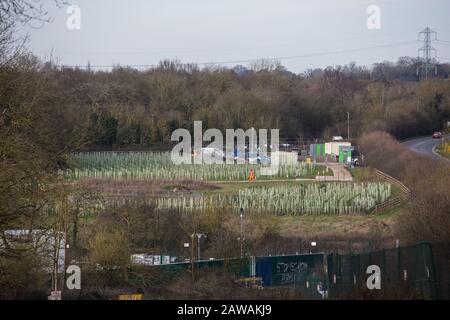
{"points": [[199, 237], [241, 238], [192, 256], [348, 126], [426, 36], [198, 247]]}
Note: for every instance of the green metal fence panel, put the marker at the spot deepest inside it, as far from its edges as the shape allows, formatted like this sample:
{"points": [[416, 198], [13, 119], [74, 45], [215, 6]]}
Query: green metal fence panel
{"points": [[407, 271], [284, 269], [441, 267], [419, 271]]}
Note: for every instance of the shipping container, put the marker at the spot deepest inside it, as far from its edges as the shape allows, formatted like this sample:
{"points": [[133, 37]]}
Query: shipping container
{"points": [[345, 154], [317, 150], [332, 148], [320, 150], [312, 150]]}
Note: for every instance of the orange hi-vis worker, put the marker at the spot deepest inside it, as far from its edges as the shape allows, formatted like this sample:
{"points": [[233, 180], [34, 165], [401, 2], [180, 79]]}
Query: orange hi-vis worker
{"points": [[252, 176]]}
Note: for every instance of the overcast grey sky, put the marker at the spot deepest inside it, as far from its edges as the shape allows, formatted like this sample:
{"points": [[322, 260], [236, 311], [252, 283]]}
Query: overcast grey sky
{"points": [[142, 32]]}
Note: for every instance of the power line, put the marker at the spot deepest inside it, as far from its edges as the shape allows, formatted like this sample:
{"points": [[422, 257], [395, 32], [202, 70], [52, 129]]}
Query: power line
{"points": [[144, 52], [280, 58], [316, 54], [443, 42]]}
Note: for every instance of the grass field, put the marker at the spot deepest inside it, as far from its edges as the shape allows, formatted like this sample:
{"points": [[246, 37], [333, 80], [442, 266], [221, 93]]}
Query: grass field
{"points": [[334, 225], [365, 174]]}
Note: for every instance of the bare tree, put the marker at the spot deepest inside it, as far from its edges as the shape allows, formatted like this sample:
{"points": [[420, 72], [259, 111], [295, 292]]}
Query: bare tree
{"points": [[19, 12]]}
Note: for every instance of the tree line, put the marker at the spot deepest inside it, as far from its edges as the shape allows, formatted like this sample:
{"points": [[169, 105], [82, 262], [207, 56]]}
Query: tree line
{"points": [[127, 108]]}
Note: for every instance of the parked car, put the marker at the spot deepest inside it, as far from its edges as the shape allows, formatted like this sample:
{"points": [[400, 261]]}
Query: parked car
{"points": [[337, 138], [437, 135]]}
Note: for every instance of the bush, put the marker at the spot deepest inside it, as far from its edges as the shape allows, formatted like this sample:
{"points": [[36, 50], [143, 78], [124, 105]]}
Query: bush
{"points": [[428, 214]]}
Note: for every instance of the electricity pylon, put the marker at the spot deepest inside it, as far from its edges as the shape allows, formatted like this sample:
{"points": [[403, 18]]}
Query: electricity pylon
{"points": [[425, 52]]}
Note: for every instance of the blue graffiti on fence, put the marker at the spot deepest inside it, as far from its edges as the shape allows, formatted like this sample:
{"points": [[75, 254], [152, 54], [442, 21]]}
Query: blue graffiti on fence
{"points": [[288, 271]]}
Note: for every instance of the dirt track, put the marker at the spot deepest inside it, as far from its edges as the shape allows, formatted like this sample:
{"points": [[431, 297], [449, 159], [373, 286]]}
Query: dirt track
{"points": [[340, 173]]}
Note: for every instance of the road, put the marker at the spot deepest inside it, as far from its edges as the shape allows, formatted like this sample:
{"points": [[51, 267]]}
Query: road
{"points": [[424, 146]]}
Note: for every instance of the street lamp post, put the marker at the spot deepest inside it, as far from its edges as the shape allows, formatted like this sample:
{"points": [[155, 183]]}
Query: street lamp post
{"points": [[241, 238], [192, 256], [199, 237], [348, 126]]}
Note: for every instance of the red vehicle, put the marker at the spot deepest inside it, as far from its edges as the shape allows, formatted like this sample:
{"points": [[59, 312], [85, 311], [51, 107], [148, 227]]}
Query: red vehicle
{"points": [[437, 135]]}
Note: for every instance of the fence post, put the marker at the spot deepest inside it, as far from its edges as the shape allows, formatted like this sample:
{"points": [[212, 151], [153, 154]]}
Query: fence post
{"points": [[326, 274], [399, 263], [431, 274], [358, 275]]}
